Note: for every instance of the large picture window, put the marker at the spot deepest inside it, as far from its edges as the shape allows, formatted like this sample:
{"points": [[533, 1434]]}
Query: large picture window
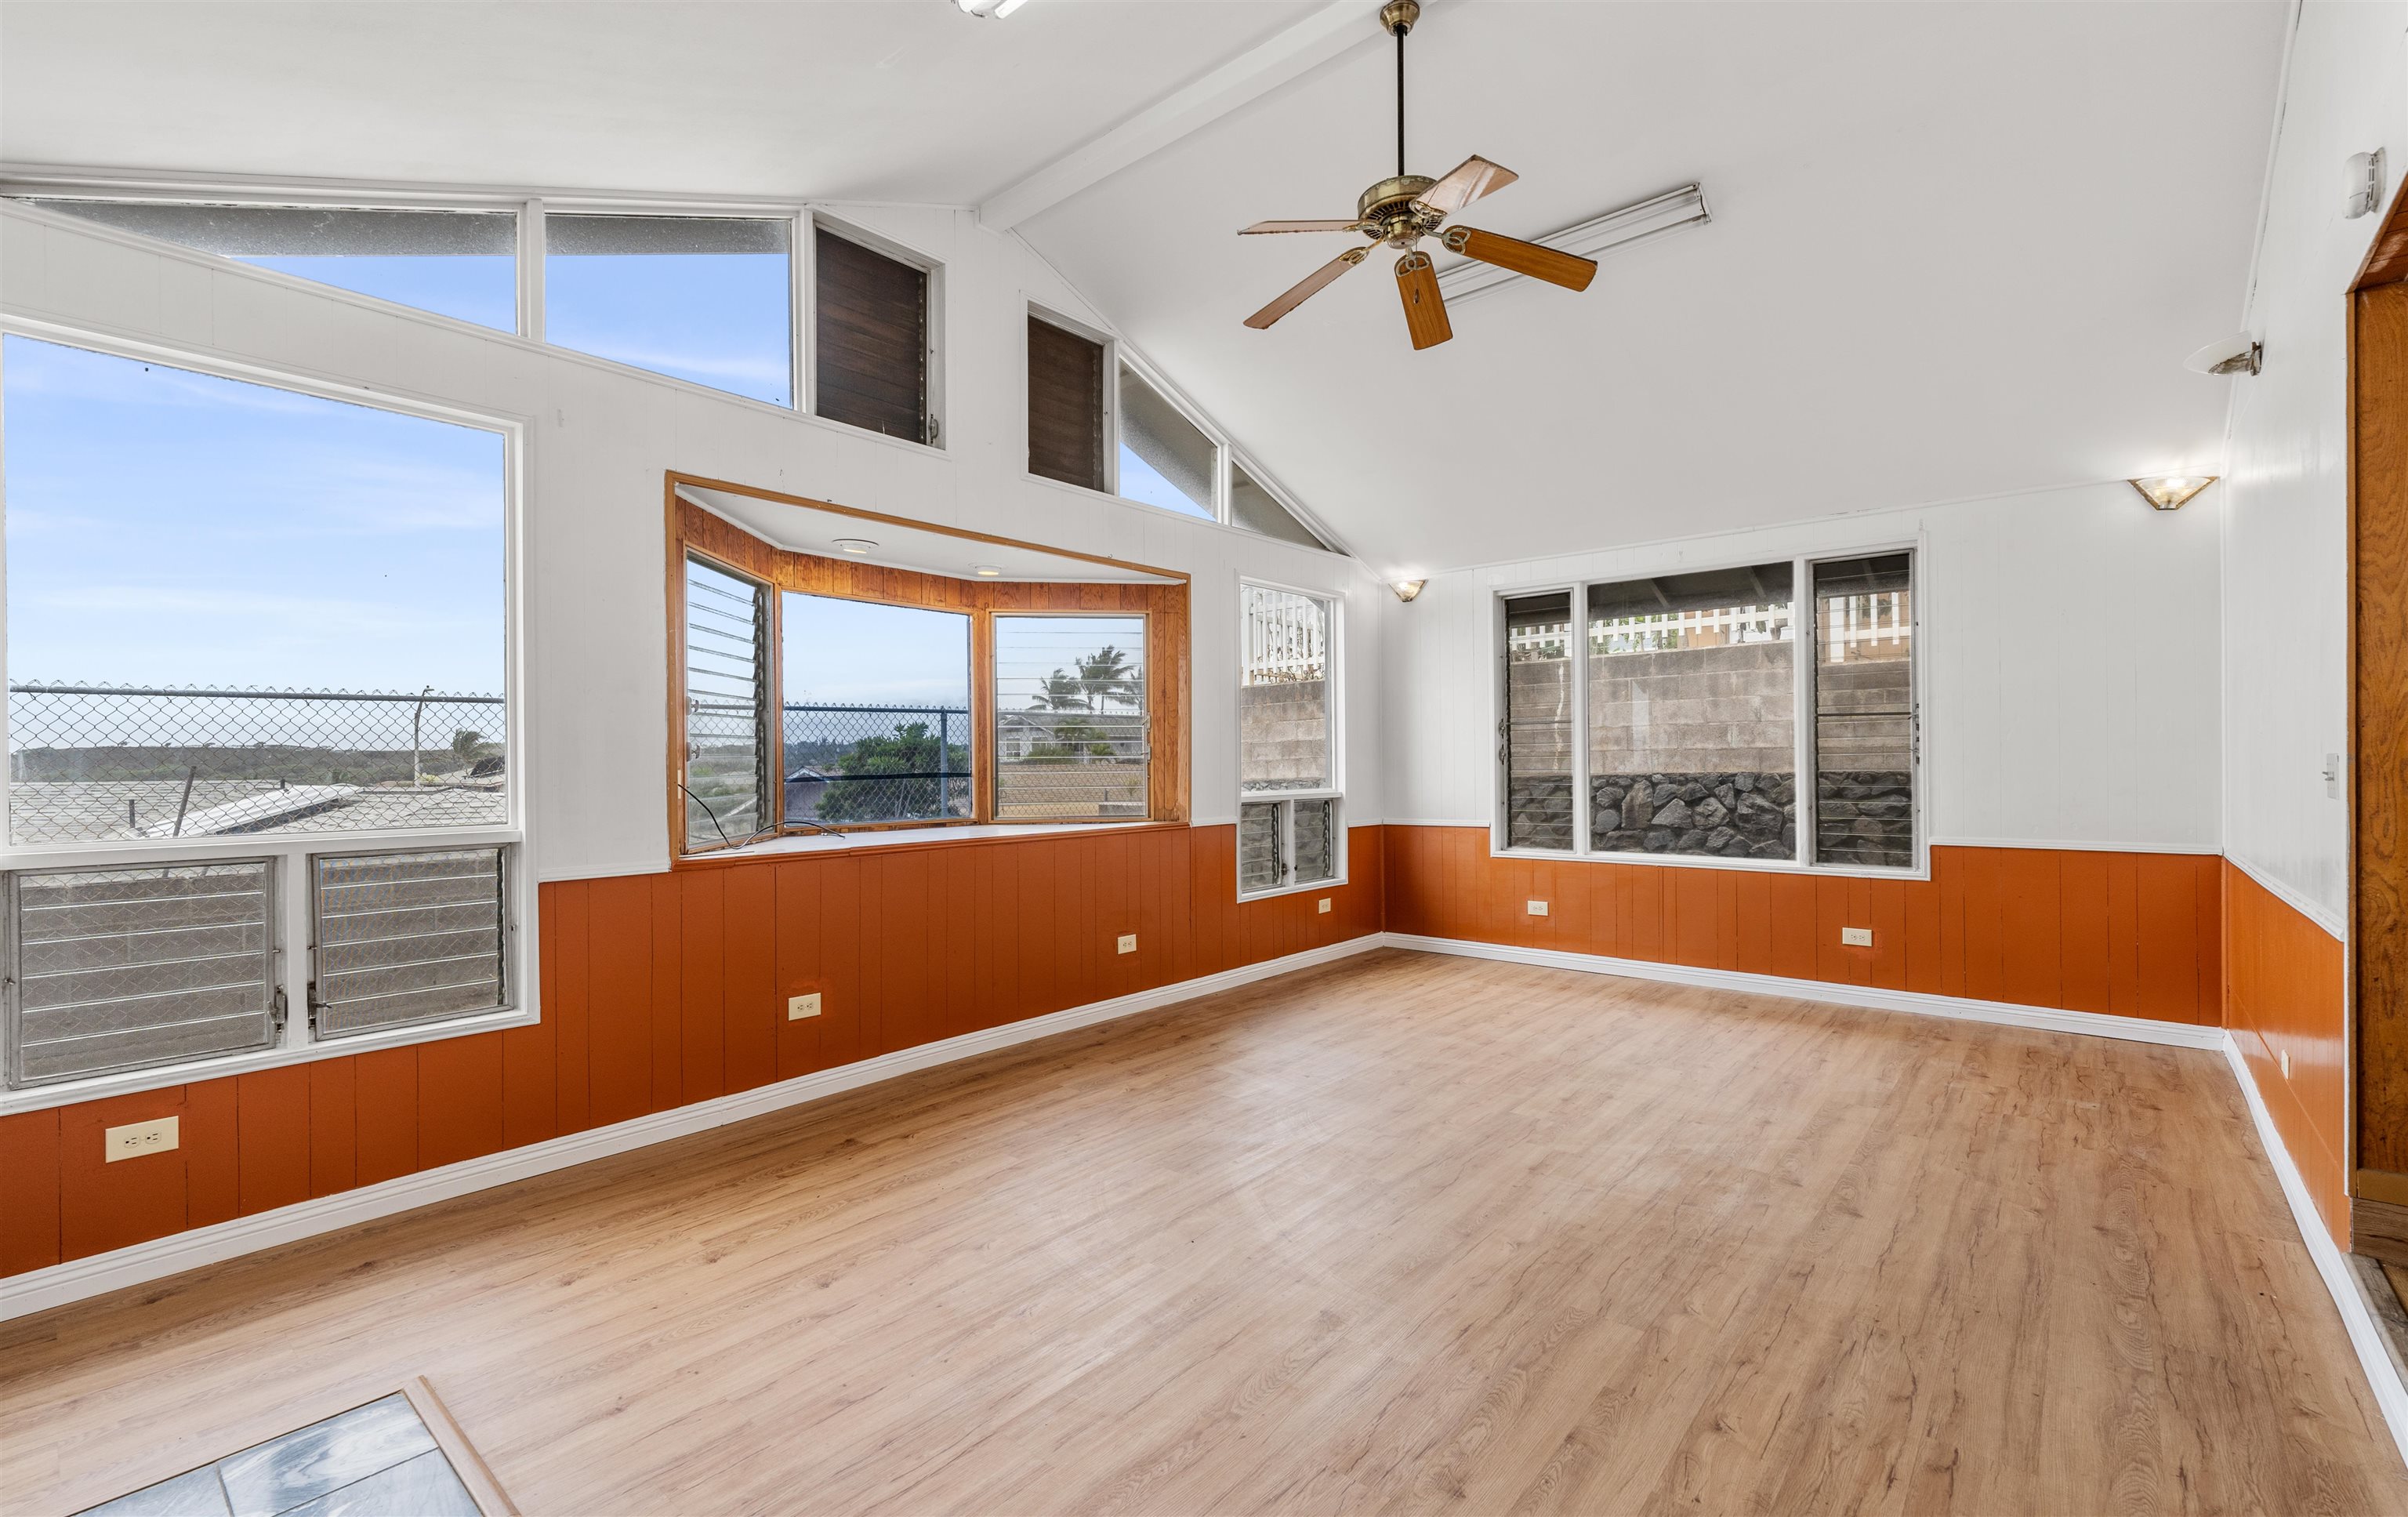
{"points": [[1289, 831], [913, 699], [248, 626], [1721, 714]]}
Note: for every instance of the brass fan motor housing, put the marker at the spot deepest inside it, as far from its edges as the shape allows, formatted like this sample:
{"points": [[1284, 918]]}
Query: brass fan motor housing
{"points": [[1399, 15], [1393, 210]]}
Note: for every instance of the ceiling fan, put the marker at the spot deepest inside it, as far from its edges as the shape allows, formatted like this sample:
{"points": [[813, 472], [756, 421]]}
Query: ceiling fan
{"points": [[1399, 211]]}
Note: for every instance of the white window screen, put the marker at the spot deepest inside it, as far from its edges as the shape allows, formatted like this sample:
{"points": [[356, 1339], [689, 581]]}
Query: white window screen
{"points": [[113, 969], [406, 937]]}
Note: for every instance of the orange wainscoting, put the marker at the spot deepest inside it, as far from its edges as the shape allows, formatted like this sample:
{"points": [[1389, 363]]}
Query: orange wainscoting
{"points": [[2135, 934], [661, 990], [2286, 994]]}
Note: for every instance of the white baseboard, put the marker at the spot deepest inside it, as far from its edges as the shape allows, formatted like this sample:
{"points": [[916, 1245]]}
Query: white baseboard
{"points": [[2090, 1023], [2365, 1334], [38, 1290]]}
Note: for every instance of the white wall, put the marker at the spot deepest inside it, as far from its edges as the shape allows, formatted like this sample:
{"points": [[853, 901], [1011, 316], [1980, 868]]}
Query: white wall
{"points": [[2070, 640], [2285, 648], [601, 437]]}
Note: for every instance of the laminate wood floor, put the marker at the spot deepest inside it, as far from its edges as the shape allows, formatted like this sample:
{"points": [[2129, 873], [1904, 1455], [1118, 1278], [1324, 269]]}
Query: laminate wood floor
{"points": [[1405, 1233]]}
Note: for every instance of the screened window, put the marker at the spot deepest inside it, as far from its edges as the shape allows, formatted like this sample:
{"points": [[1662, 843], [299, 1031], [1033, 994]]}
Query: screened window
{"points": [[1286, 739], [454, 262], [704, 299], [726, 705], [124, 968], [1070, 733], [1865, 736], [871, 344], [1538, 728], [403, 938], [877, 711], [1165, 459], [238, 610], [1257, 509], [1765, 712], [1066, 406], [1693, 715]]}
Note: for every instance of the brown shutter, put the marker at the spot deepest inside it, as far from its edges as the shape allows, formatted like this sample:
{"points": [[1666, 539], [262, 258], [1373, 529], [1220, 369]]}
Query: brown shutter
{"points": [[1066, 406], [872, 339]]}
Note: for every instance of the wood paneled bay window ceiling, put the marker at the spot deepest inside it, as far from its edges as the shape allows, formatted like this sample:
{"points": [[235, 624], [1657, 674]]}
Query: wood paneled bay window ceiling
{"points": [[818, 694]]}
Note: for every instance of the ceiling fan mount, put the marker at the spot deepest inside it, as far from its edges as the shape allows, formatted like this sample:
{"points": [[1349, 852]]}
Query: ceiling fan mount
{"points": [[1401, 209]]}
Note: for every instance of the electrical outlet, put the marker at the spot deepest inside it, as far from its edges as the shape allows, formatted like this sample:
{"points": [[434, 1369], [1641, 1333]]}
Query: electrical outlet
{"points": [[1856, 937], [1538, 909], [799, 1007], [2332, 776], [136, 1138], [2287, 1063], [1128, 942], [1323, 907]]}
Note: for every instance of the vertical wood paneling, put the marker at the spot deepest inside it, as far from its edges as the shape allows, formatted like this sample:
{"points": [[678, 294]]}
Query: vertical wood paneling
{"points": [[619, 1023], [565, 917], [105, 1206], [29, 1192], [751, 980], [334, 1127], [384, 1103], [212, 1165], [459, 1100], [272, 1118], [665, 1002], [2284, 993], [2135, 934]]}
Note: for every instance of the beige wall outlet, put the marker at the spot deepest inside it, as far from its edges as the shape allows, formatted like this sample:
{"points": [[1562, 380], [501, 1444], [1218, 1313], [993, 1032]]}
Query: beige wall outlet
{"points": [[1128, 942], [1538, 909], [1323, 907], [1855, 937], [799, 1007], [136, 1138]]}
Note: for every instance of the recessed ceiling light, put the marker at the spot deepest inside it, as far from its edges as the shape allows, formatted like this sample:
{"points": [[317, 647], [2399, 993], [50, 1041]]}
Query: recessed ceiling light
{"points": [[1408, 589], [998, 8], [985, 571], [2171, 491], [853, 545]]}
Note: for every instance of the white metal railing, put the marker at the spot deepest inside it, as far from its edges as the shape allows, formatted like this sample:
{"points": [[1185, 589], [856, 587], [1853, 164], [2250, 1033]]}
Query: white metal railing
{"points": [[1287, 636], [1862, 628]]}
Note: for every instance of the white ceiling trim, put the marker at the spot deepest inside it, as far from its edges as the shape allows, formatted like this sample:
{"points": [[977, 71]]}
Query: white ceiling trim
{"points": [[1335, 29]]}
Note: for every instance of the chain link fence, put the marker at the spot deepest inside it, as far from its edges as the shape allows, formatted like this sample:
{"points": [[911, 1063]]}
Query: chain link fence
{"points": [[92, 761], [849, 764]]}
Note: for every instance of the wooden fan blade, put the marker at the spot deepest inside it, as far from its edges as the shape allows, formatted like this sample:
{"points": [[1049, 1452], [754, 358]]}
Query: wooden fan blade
{"points": [[1305, 289], [1425, 307], [1466, 182], [1569, 270], [1260, 227]]}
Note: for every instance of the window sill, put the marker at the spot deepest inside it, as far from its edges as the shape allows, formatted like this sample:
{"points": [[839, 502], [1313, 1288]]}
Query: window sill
{"points": [[133, 1081], [892, 837], [1274, 893], [1921, 869]]}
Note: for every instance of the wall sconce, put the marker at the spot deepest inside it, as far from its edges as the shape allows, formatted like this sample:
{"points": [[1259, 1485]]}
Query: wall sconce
{"points": [[1408, 589], [2171, 491], [2362, 185]]}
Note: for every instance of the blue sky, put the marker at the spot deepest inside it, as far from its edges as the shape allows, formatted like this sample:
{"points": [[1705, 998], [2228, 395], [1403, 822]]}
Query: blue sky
{"points": [[858, 653], [1140, 480], [717, 318], [171, 527], [484, 290]]}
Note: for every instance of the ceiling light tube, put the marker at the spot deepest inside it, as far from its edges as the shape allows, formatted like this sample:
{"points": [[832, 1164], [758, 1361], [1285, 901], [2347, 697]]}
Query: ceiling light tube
{"points": [[1621, 228], [997, 8]]}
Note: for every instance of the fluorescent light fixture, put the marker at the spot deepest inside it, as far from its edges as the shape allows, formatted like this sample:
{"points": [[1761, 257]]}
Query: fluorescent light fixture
{"points": [[998, 8], [2172, 492], [1406, 589], [853, 545], [1633, 223], [986, 571]]}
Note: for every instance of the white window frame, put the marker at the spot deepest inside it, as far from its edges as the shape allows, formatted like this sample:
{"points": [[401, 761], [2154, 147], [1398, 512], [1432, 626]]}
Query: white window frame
{"points": [[1803, 635], [532, 207], [292, 851], [1335, 791]]}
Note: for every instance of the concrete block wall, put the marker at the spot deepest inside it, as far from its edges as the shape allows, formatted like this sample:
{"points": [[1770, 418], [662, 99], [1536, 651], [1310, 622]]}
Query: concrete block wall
{"points": [[1284, 735]]}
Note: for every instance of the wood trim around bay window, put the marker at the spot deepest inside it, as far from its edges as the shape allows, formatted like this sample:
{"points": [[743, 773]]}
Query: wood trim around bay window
{"points": [[694, 531]]}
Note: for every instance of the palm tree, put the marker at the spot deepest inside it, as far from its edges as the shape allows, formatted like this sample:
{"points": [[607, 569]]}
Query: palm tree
{"points": [[1060, 692], [1106, 673]]}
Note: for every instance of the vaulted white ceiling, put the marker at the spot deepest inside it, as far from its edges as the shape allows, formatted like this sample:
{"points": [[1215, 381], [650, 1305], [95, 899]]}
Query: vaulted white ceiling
{"points": [[1957, 250]]}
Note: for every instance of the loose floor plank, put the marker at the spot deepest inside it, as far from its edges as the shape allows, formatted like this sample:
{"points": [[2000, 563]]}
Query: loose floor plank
{"points": [[1406, 1232]]}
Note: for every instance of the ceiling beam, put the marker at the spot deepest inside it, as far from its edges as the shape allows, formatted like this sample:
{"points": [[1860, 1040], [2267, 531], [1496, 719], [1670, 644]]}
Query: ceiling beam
{"points": [[1336, 28]]}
